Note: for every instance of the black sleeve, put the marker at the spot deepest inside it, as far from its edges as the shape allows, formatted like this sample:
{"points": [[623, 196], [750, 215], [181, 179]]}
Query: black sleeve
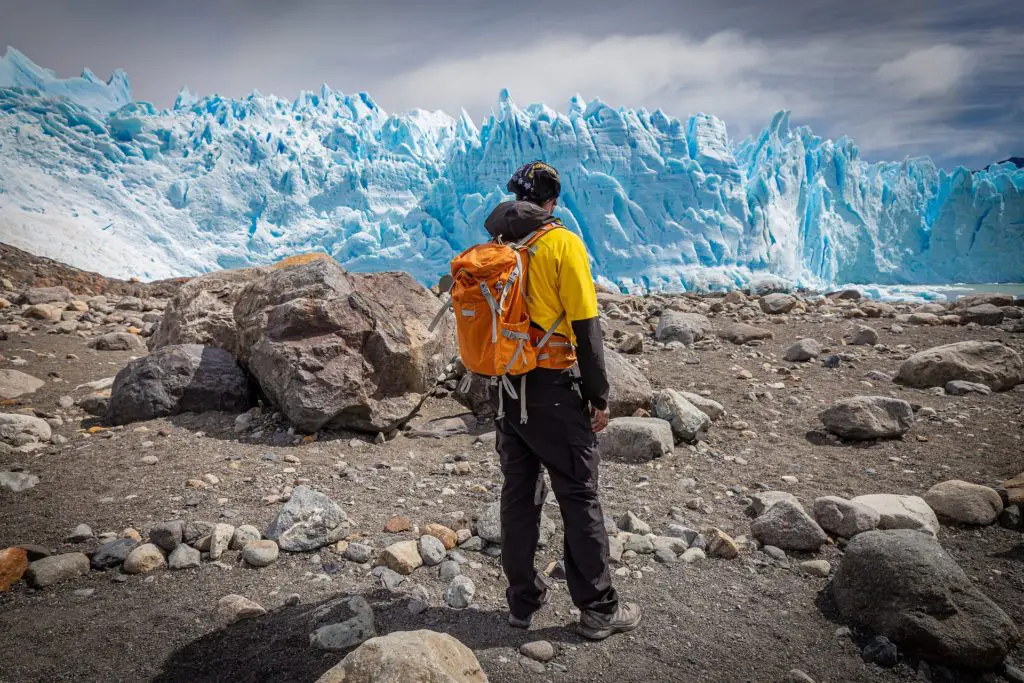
{"points": [[590, 356]]}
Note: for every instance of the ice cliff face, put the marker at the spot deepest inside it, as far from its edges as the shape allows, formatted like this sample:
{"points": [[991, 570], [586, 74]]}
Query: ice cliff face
{"points": [[92, 178]]}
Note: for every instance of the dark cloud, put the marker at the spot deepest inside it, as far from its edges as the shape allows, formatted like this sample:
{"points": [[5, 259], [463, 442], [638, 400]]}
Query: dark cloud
{"points": [[902, 77]]}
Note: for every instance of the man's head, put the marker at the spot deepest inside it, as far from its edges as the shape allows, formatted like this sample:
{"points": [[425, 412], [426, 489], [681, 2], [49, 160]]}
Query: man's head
{"points": [[538, 183]]}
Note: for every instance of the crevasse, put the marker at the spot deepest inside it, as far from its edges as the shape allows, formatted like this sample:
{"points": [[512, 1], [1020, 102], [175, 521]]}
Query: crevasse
{"points": [[91, 177]]}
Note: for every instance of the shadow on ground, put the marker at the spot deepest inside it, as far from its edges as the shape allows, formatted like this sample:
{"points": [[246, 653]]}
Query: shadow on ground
{"points": [[276, 647]]}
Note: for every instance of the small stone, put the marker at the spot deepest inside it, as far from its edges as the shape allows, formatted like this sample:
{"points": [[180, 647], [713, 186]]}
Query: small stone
{"points": [[474, 543], [448, 538], [803, 350], [964, 503], [721, 545], [693, 555], [132, 534], [402, 557], [143, 559], [184, 557], [260, 553], [880, 650], [112, 554], [358, 553], [459, 593], [449, 570], [630, 522], [167, 535], [798, 676], [244, 534], [665, 556], [149, 460], [775, 553], [81, 533], [432, 550], [220, 540], [843, 517], [13, 565], [816, 568], [232, 608], [538, 650], [85, 592], [398, 524]]}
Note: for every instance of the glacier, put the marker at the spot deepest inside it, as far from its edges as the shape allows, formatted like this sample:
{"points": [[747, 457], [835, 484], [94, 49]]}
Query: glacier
{"points": [[96, 179]]}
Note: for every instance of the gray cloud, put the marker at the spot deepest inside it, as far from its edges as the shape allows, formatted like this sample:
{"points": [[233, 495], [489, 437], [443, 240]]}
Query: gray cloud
{"points": [[900, 77]]}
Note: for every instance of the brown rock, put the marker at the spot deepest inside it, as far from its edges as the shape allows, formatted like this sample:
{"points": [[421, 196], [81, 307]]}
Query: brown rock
{"points": [[13, 565], [398, 524], [402, 557], [721, 544], [449, 538]]}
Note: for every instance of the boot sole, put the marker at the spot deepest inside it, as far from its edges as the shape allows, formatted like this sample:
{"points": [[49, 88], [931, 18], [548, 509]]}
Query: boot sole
{"points": [[602, 633]]}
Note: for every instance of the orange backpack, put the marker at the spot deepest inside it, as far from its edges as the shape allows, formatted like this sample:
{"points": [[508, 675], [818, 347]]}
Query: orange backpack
{"points": [[492, 318]]}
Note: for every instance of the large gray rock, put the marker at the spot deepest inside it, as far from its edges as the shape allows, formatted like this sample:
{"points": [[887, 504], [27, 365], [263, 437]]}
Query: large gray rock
{"points": [[774, 304], [57, 569], [741, 333], [14, 383], [803, 350], [901, 512], [629, 389], [636, 438], [202, 311], [45, 295], [309, 520], [964, 503], [982, 314], [903, 585], [18, 430], [118, 341], [868, 417], [787, 526], [408, 657], [178, 379], [685, 328], [993, 364], [687, 421], [843, 517], [342, 350]]}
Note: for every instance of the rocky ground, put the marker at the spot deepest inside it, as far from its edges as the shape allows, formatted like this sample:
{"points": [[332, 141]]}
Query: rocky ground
{"points": [[753, 617]]}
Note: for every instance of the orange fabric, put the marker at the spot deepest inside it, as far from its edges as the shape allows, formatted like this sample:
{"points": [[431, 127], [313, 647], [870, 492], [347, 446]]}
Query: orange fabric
{"points": [[494, 334]]}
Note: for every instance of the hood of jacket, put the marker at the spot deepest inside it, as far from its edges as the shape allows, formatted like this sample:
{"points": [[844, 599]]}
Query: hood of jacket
{"points": [[515, 220]]}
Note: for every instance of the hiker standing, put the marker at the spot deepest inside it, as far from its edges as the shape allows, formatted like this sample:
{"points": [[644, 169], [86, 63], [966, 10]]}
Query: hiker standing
{"points": [[548, 410]]}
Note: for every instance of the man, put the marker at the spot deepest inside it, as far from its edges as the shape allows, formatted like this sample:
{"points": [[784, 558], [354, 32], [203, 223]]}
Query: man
{"points": [[564, 413]]}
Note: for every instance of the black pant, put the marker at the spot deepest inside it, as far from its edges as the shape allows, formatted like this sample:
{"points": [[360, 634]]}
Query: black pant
{"points": [[558, 436]]}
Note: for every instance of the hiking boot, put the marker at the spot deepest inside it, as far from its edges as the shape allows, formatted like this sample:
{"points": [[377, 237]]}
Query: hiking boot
{"points": [[597, 626], [524, 623]]}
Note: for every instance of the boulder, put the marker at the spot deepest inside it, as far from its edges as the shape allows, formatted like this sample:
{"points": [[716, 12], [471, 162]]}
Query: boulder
{"points": [[901, 512], [46, 295], [964, 503], [178, 379], [18, 430], [685, 328], [787, 526], [118, 341], [741, 333], [982, 314], [408, 657], [14, 383], [712, 409], [868, 417], [686, 420], [845, 518], [629, 389], [862, 335], [775, 304], [803, 350], [202, 311], [309, 520], [57, 569], [990, 363], [904, 586], [341, 350], [636, 438]]}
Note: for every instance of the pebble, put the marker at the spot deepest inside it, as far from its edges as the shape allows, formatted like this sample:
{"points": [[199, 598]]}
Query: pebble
{"points": [[819, 568], [693, 555], [775, 553], [260, 553], [538, 650], [449, 570], [220, 539], [81, 533], [143, 559], [243, 535], [232, 608], [460, 592], [84, 592], [880, 651], [184, 557], [149, 460], [167, 535], [358, 553], [432, 550]]}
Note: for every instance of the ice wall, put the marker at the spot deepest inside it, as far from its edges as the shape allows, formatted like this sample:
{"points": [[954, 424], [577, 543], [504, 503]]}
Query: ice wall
{"points": [[99, 181]]}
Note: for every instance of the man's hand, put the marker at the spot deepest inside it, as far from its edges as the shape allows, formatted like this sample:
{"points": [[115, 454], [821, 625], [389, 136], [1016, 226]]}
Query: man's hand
{"points": [[598, 419]]}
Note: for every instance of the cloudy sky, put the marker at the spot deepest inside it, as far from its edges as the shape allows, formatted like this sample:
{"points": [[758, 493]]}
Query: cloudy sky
{"points": [[902, 77]]}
